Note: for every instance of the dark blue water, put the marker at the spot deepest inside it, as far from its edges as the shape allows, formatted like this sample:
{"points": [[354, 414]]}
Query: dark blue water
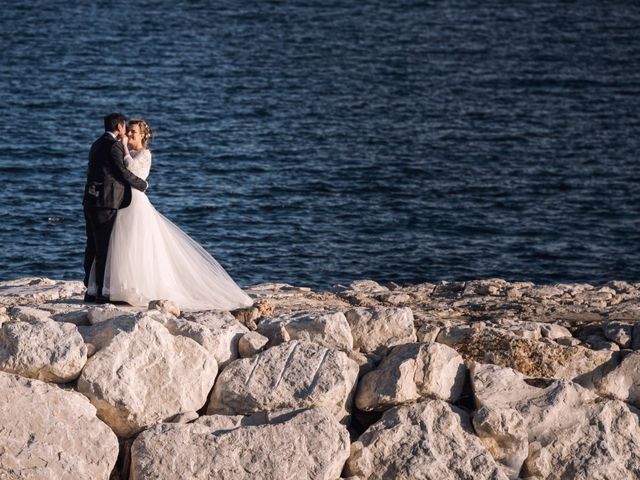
{"points": [[320, 142]]}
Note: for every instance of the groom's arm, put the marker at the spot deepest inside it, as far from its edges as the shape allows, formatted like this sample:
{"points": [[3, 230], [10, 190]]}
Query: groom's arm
{"points": [[117, 157]]}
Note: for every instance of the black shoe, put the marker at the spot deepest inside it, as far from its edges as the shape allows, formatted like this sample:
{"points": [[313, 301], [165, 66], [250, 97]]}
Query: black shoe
{"points": [[101, 299], [89, 298]]}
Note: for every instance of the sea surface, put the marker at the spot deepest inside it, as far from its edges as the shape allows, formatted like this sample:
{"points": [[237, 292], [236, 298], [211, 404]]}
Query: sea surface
{"points": [[317, 142]]}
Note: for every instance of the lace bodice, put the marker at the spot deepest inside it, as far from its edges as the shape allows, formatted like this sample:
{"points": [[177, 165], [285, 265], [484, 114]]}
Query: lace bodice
{"points": [[139, 162]]}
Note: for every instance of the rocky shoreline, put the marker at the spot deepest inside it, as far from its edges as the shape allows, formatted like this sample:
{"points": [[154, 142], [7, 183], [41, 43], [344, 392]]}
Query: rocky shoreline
{"points": [[455, 380]]}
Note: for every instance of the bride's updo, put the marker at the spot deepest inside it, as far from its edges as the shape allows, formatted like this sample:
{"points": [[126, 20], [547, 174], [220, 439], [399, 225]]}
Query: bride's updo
{"points": [[145, 131]]}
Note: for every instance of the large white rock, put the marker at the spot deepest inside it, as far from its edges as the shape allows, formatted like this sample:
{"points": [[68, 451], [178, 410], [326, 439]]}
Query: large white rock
{"points": [[302, 444], [379, 328], [145, 375], [504, 434], [29, 314], [33, 290], [623, 382], [46, 350], [225, 333], [329, 329], [47, 432], [571, 432], [411, 372], [425, 440], [297, 374]]}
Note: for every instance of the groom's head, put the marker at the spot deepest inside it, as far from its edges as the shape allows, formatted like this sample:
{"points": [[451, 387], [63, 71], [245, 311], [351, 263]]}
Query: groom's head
{"points": [[115, 122]]}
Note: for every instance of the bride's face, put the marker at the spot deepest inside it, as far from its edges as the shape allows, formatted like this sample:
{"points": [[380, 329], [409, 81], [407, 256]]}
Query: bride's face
{"points": [[135, 139]]}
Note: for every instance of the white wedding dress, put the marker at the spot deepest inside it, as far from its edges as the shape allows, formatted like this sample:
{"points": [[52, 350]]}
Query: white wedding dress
{"points": [[150, 258]]}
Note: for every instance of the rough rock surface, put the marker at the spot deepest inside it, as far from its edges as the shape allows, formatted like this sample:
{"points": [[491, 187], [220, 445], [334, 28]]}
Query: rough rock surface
{"points": [[225, 333], [165, 306], [251, 343], [297, 444], [37, 290], [571, 432], [410, 372], [623, 382], [378, 329], [329, 329], [296, 374], [47, 432], [146, 375], [425, 440], [544, 358], [43, 349]]}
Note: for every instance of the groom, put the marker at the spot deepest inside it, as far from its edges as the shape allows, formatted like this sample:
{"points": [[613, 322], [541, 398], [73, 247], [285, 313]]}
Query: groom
{"points": [[108, 188]]}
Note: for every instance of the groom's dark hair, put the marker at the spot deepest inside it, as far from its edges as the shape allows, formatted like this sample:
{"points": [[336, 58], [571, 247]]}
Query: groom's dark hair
{"points": [[112, 121]]}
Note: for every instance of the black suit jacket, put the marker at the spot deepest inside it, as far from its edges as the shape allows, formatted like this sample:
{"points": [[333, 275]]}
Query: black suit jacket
{"points": [[108, 180]]}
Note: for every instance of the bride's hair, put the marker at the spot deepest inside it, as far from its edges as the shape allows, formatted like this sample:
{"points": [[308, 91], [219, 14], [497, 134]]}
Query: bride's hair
{"points": [[145, 130]]}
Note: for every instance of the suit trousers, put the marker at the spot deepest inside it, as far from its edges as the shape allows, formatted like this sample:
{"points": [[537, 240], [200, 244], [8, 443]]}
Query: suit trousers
{"points": [[99, 223]]}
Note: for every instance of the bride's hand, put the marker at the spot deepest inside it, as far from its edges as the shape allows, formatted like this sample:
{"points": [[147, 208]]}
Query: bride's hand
{"points": [[125, 140]]}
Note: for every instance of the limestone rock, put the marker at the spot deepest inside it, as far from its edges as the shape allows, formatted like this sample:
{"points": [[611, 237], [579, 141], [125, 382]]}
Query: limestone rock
{"points": [[29, 314], [291, 444], [225, 331], [619, 332], [297, 374], [571, 432], [544, 358], [504, 435], [329, 329], [37, 290], [47, 432], [251, 343], [44, 350], [425, 440], [378, 328], [146, 375], [102, 313], [428, 333], [411, 372], [165, 306], [623, 382]]}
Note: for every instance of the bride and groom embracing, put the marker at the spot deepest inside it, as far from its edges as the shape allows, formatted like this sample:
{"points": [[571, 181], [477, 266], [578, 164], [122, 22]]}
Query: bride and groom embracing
{"points": [[133, 253]]}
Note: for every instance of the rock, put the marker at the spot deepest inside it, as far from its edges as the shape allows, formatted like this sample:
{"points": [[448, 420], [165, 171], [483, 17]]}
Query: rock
{"points": [[226, 332], [77, 317], [544, 358], [429, 440], [329, 329], [619, 332], [623, 382], [412, 372], [100, 335], [599, 342], [106, 312], [571, 432], [37, 290], [186, 417], [504, 435], [376, 329], [297, 374], [298, 444], [635, 337], [251, 343], [44, 350], [455, 334], [165, 306], [47, 432], [428, 333], [145, 375], [29, 314]]}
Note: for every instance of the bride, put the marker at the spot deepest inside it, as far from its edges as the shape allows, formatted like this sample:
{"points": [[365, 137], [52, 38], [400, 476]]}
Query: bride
{"points": [[150, 258]]}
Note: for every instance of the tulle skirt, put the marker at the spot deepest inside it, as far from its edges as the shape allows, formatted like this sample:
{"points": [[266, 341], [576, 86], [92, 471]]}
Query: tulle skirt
{"points": [[151, 259]]}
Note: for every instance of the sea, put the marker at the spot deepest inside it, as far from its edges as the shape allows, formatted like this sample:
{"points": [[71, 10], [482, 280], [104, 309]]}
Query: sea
{"points": [[319, 142]]}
